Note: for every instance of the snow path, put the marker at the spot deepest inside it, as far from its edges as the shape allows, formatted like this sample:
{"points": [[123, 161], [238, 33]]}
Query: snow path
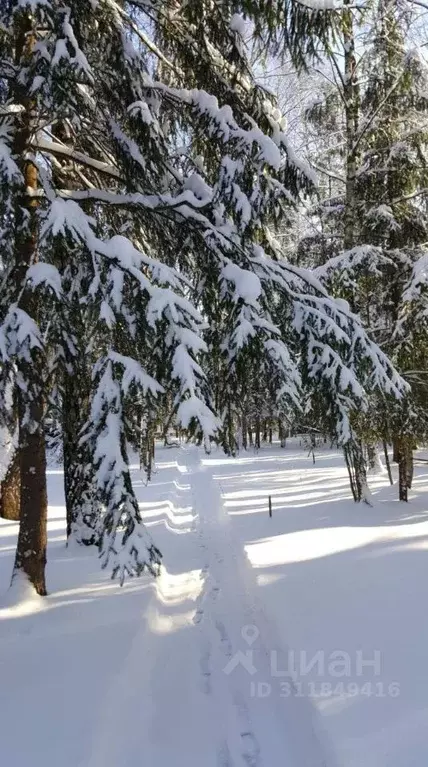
{"points": [[195, 708], [254, 731]]}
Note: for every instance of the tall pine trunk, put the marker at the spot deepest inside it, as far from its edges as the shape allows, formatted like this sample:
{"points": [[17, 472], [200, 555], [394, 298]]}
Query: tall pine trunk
{"points": [[30, 556]]}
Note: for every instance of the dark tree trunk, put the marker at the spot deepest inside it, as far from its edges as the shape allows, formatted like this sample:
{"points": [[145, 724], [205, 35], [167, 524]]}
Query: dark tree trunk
{"points": [[371, 456], [356, 466], [82, 507], [31, 547], [352, 104], [257, 435], [405, 466], [395, 449], [10, 490], [229, 441], [244, 429], [70, 430], [387, 462], [402, 480], [409, 469], [281, 434]]}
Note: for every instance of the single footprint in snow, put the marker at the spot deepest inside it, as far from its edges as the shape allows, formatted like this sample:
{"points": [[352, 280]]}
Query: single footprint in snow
{"points": [[205, 664], [215, 592], [251, 750], [227, 647]]}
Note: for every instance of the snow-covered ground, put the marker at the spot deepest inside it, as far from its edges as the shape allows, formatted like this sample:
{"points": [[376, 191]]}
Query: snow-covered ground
{"points": [[298, 639]]}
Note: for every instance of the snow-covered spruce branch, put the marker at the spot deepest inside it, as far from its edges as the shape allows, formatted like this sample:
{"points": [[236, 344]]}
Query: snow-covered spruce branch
{"points": [[347, 263], [125, 543], [336, 333], [163, 303], [61, 150]]}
